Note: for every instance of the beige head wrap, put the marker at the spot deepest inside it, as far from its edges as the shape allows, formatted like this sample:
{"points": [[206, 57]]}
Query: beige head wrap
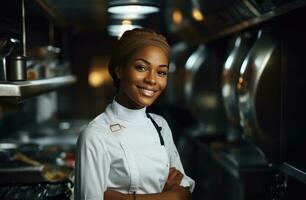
{"points": [[129, 43]]}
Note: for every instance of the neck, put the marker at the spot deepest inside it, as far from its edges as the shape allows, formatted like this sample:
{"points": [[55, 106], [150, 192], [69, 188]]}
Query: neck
{"points": [[125, 101]]}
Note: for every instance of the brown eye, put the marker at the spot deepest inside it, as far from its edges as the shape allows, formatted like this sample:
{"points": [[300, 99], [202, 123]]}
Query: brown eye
{"points": [[162, 73], [141, 68]]}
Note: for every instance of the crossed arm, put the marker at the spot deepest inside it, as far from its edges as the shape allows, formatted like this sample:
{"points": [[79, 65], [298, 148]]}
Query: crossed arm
{"points": [[172, 190]]}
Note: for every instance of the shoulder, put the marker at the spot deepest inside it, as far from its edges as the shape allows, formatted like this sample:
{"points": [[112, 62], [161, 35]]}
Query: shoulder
{"points": [[96, 131]]}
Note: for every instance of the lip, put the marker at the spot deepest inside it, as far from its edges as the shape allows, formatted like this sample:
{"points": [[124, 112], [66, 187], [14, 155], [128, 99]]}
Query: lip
{"points": [[148, 92]]}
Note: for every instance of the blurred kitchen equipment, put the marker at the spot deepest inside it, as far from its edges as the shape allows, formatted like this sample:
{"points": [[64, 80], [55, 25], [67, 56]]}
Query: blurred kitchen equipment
{"points": [[45, 62], [16, 63], [205, 99], [258, 91], [16, 68], [180, 52], [41, 191], [6, 48], [192, 65], [240, 46]]}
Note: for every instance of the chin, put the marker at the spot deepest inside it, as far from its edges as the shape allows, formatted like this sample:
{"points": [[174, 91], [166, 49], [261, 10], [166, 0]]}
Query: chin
{"points": [[145, 102]]}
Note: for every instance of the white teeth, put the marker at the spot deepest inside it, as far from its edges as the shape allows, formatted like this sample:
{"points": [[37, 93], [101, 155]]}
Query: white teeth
{"points": [[147, 92]]}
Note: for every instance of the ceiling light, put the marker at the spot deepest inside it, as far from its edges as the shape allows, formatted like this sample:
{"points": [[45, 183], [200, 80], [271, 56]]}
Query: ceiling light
{"points": [[133, 9], [196, 10], [131, 16], [197, 14], [118, 29], [177, 16], [141, 7]]}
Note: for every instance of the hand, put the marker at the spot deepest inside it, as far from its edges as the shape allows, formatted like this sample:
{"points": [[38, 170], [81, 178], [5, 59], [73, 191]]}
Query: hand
{"points": [[181, 193], [174, 179]]}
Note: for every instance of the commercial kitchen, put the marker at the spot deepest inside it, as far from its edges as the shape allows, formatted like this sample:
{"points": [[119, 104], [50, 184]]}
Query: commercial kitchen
{"points": [[235, 99]]}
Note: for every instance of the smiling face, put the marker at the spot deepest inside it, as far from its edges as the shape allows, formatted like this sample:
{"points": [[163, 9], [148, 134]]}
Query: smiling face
{"points": [[143, 77]]}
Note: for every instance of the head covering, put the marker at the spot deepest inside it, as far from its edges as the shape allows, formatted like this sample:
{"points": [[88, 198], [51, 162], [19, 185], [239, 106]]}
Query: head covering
{"points": [[129, 43]]}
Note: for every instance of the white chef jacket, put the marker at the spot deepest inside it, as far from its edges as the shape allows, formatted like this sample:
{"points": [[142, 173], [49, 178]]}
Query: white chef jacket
{"points": [[121, 150]]}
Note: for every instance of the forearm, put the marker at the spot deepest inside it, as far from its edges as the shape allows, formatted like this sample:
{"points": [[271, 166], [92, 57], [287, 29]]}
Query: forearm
{"points": [[177, 194], [113, 195]]}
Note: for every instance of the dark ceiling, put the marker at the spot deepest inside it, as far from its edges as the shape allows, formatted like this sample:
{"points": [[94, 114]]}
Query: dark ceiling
{"points": [[93, 15], [85, 14]]}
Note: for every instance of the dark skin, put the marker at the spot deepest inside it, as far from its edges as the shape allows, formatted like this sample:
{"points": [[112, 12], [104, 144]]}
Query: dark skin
{"points": [[172, 190]]}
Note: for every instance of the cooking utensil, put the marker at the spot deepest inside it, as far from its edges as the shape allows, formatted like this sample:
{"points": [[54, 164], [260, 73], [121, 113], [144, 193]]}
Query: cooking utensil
{"points": [[6, 48], [16, 68]]}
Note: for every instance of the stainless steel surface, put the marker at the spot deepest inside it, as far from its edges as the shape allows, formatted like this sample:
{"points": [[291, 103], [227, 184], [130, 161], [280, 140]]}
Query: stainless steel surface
{"points": [[205, 101], [18, 91], [259, 89], [24, 35], [239, 48], [194, 62], [294, 171], [180, 52], [16, 69], [7, 146], [282, 10]]}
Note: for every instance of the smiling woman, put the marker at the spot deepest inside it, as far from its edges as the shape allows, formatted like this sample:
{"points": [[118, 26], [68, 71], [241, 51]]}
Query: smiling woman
{"points": [[125, 152], [143, 78]]}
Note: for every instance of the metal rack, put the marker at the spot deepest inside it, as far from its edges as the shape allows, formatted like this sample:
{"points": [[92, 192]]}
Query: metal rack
{"points": [[16, 92], [294, 171]]}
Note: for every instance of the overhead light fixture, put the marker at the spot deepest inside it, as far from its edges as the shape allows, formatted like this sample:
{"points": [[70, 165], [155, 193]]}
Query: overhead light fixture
{"points": [[131, 16], [177, 16], [197, 14], [117, 29], [126, 7]]}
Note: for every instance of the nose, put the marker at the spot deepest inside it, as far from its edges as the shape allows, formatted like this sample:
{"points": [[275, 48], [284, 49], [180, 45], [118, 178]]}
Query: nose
{"points": [[150, 78]]}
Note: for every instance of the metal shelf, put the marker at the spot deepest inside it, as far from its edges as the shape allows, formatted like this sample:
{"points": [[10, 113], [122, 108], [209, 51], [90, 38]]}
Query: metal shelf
{"points": [[16, 92], [299, 174]]}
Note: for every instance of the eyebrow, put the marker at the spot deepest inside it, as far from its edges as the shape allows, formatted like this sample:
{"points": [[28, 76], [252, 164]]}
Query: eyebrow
{"points": [[147, 62]]}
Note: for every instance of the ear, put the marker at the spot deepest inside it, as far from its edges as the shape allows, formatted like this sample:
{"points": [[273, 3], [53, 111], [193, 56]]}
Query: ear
{"points": [[118, 72]]}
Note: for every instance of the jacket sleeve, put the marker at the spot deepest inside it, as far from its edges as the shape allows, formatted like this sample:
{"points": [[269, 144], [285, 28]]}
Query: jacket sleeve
{"points": [[174, 156], [92, 167]]}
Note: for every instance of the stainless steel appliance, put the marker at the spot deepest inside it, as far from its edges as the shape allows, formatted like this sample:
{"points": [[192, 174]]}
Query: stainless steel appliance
{"points": [[204, 89], [240, 46], [258, 91]]}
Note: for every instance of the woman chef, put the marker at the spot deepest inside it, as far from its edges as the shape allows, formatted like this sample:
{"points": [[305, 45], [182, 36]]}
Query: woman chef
{"points": [[126, 153]]}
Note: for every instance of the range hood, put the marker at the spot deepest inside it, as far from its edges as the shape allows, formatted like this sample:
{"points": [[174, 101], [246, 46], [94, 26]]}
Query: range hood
{"points": [[227, 16]]}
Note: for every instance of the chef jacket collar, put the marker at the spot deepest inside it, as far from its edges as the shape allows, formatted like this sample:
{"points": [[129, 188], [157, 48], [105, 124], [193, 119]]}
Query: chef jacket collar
{"points": [[126, 114]]}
